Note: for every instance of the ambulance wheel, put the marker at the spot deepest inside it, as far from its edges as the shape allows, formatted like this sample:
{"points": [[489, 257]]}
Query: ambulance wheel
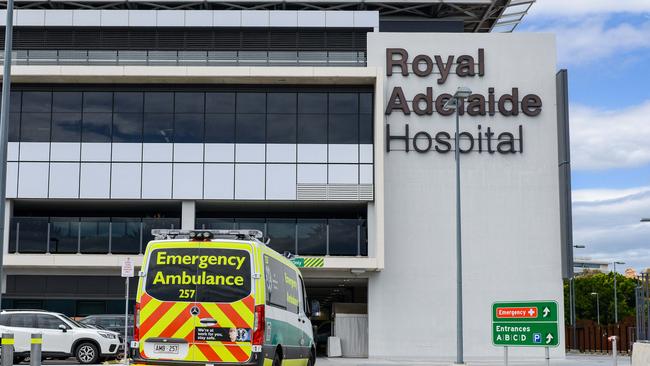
{"points": [[312, 360], [87, 353], [277, 359]]}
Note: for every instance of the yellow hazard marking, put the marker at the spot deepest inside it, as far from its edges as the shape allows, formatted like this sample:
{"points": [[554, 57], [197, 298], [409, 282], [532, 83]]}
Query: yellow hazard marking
{"points": [[37, 340], [167, 318], [7, 341], [268, 362], [295, 362]]}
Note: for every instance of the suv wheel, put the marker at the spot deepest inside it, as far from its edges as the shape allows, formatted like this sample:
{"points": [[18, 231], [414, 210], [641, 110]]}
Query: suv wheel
{"points": [[87, 353], [18, 359]]}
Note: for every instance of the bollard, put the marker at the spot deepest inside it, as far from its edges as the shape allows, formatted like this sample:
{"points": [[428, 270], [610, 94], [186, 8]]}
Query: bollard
{"points": [[7, 349], [35, 351], [614, 350]]}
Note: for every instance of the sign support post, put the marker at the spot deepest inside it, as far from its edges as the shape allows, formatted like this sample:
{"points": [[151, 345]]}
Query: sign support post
{"points": [[505, 356], [127, 272], [548, 357]]}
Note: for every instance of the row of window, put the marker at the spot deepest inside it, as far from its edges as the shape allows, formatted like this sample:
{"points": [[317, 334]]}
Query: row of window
{"points": [[191, 117], [58, 235]]}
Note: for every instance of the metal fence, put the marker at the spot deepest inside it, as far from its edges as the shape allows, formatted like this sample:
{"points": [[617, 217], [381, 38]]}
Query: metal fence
{"points": [[643, 307], [591, 337], [189, 58]]}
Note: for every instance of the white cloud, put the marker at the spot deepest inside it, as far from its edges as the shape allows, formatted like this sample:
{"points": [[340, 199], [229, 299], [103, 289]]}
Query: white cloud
{"points": [[603, 139], [610, 227], [584, 7], [590, 39]]}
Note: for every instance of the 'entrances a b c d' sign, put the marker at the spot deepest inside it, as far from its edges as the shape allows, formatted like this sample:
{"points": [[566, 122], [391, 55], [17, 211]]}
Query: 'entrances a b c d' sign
{"points": [[482, 104]]}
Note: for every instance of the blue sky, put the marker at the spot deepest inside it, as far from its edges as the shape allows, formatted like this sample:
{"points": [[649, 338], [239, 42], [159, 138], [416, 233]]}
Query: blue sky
{"points": [[605, 45]]}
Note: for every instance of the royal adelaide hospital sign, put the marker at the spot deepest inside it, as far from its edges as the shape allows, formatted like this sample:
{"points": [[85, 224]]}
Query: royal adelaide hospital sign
{"points": [[487, 103]]}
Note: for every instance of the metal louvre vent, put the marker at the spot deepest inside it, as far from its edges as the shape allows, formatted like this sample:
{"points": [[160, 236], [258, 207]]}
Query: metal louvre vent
{"points": [[189, 39], [335, 192]]}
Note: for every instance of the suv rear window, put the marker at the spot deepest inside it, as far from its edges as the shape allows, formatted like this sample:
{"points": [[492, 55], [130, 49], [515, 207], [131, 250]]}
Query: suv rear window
{"points": [[203, 275]]}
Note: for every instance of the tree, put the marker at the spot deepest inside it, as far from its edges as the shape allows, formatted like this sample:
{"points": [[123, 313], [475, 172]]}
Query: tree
{"points": [[603, 284]]}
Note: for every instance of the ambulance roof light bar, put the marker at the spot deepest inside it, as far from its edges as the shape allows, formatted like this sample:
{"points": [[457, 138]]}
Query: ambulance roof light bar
{"points": [[162, 234]]}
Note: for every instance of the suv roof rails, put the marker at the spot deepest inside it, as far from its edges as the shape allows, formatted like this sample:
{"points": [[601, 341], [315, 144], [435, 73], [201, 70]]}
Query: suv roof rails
{"points": [[162, 234], [39, 310]]}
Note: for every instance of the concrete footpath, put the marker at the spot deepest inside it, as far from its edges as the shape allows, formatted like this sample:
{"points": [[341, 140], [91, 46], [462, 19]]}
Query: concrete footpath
{"points": [[571, 360]]}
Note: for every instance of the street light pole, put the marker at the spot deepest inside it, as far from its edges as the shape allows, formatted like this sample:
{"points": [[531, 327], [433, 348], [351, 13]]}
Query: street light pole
{"points": [[597, 307], [616, 293], [461, 92], [4, 128]]}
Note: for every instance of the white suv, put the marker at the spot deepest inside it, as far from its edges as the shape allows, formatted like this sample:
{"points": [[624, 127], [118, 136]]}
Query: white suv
{"points": [[62, 336]]}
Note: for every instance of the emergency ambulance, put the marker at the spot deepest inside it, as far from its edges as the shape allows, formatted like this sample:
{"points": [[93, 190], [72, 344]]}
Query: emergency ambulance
{"points": [[220, 297]]}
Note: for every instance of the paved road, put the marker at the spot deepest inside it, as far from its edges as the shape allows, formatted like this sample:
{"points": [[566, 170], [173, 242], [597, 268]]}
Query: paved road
{"points": [[572, 360]]}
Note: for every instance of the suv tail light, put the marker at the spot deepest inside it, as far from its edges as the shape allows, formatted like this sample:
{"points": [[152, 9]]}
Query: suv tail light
{"points": [[136, 322], [258, 326]]}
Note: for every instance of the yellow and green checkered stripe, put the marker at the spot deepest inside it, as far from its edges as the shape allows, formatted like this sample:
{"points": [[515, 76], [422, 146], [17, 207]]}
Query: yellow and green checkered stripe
{"points": [[309, 262]]}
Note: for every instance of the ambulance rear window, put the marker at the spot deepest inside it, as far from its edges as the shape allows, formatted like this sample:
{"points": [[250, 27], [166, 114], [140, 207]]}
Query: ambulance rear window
{"points": [[203, 275]]}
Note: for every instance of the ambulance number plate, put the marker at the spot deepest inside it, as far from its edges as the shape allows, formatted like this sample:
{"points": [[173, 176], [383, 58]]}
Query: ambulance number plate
{"points": [[166, 348]]}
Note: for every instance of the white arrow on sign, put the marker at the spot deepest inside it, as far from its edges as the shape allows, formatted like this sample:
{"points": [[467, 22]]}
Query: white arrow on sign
{"points": [[546, 312], [549, 338]]}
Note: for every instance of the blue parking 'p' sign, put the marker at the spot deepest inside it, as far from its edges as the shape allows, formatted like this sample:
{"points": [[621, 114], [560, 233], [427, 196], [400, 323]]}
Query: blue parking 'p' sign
{"points": [[537, 338]]}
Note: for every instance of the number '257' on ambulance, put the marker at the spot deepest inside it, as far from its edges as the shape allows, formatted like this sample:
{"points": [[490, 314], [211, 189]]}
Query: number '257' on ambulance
{"points": [[220, 297]]}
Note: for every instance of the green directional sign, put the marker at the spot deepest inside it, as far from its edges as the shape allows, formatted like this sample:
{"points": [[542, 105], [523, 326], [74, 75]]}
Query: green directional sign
{"points": [[525, 323]]}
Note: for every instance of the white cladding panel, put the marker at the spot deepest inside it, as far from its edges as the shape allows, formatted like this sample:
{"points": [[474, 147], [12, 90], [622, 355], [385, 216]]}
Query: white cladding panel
{"points": [[13, 150], [312, 173], [12, 180], [95, 180], [219, 153], [64, 180], [249, 181], [156, 180], [510, 204], [126, 180], [65, 151], [219, 181], [34, 151], [281, 181], [127, 151], [33, 180], [95, 151], [188, 181]]}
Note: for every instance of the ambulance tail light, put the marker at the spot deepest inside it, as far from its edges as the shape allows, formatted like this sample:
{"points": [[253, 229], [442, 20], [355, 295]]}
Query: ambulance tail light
{"points": [[136, 322], [258, 326]]}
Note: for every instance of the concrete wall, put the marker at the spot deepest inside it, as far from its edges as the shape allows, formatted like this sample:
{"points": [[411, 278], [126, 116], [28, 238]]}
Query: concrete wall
{"points": [[510, 205]]}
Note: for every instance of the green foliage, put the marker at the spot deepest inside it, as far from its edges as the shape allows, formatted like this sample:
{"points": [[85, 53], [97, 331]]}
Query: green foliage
{"points": [[603, 284]]}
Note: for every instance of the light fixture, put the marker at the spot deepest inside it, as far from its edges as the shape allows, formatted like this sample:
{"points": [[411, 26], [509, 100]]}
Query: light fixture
{"points": [[461, 92]]}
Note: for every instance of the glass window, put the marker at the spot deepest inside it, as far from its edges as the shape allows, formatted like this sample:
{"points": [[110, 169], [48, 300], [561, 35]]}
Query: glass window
{"points": [[220, 128], [94, 235], [343, 129], [343, 237], [37, 102], [188, 103], [15, 100], [220, 103], [281, 102], [158, 127], [188, 127], [98, 102], [149, 223], [282, 233], [46, 321], [35, 127], [343, 103], [281, 128], [125, 236], [66, 102], [312, 237], [64, 235], [159, 102], [365, 103], [127, 127], [250, 224], [32, 234], [364, 238], [14, 127], [250, 128], [66, 127], [128, 102], [365, 129], [22, 320], [88, 307], [276, 288], [312, 102], [96, 127], [312, 128], [216, 224], [251, 103]]}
